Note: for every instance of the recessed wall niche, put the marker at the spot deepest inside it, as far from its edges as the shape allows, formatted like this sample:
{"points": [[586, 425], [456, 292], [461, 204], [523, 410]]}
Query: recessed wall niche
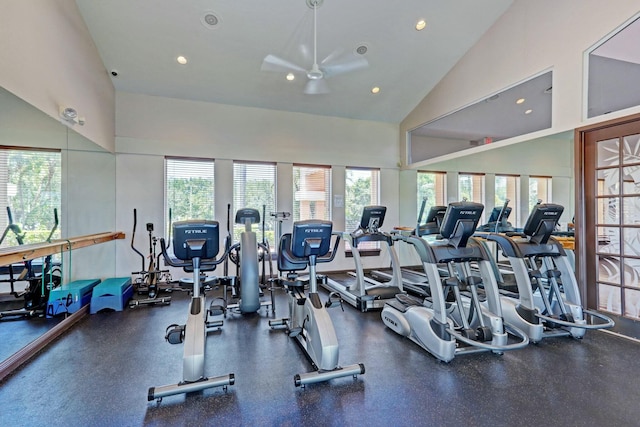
{"points": [[518, 110], [614, 71]]}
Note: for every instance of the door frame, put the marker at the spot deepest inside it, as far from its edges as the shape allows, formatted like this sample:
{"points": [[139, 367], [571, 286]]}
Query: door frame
{"points": [[584, 227]]}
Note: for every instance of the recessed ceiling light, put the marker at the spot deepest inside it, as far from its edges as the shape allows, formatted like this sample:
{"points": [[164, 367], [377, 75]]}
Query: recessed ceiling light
{"points": [[362, 49], [528, 111], [290, 76], [375, 89], [210, 19], [421, 24], [181, 60], [520, 101]]}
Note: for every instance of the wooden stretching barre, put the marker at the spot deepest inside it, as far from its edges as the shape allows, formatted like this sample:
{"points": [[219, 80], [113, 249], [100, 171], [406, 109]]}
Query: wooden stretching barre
{"points": [[17, 254]]}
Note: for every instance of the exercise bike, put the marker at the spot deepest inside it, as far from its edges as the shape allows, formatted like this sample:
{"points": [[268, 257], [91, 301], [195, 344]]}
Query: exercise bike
{"points": [[454, 319], [196, 246], [309, 322], [147, 280]]}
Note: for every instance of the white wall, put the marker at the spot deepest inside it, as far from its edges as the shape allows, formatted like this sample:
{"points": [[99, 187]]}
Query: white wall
{"points": [[423, 148], [89, 208], [50, 60], [149, 128]]}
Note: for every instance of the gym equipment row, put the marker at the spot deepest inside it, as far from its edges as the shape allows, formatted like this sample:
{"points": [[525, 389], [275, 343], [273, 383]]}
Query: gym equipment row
{"points": [[547, 301], [455, 318], [196, 247]]}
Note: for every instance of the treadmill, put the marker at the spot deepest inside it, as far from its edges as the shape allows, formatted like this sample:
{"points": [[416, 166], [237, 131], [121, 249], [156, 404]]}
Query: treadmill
{"points": [[414, 280], [356, 288]]}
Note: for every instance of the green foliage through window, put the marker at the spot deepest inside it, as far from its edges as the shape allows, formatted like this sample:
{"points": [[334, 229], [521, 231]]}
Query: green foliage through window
{"points": [[190, 189], [31, 185]]}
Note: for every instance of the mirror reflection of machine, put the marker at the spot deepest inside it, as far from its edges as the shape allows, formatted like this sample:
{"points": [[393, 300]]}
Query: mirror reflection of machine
{"points": [[150, 280], [38, 286]]}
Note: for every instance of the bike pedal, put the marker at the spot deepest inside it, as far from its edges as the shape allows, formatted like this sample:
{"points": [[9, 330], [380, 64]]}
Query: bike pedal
{"points": [[334, 300], [175, 333]]}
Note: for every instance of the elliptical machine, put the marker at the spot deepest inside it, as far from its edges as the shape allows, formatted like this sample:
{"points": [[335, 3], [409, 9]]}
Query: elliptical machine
{"points": [[548, 300], [196, 246], [452, 320], [432, 222], [413, 281], [246, 255], [148, 279], [309, 322], [498, 220]]}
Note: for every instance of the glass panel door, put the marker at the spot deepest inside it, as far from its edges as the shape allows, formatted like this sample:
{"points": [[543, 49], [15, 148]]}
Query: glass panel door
{"points": [[611, 226]]}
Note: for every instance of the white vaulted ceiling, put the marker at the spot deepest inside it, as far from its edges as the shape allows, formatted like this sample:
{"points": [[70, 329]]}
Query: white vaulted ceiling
{"points": [[141, 39]]}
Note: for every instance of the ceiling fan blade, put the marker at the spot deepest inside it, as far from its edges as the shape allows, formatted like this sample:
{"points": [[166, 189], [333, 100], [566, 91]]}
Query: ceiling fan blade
{"points": [[274, 63], [339, 62], [316, 87]]}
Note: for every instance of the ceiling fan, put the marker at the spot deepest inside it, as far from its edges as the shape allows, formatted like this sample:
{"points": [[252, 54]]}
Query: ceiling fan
{"points": [[335, 63]]}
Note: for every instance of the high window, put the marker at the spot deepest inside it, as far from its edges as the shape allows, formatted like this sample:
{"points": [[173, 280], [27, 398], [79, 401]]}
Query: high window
{"points": [[31, 186], [432, 186], [508, 187], [539, 189], [311, 192], [362, 188], [190, 189], [471, 188], [254, 186]]}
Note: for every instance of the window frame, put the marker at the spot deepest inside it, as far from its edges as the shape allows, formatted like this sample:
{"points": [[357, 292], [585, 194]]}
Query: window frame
{"points": [[169, 210], [439, 190], [297, 194], [39, 231], [512, 192], [368, 248], [266, 211]]}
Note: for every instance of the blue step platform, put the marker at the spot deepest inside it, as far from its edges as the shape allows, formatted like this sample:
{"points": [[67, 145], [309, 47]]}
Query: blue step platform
{"points": [[111, 294], [71, 297]]}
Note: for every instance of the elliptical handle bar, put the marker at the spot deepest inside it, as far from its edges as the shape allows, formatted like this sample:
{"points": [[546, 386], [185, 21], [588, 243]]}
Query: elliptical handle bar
{"points": [[133, 236], [55, 224], [499, 220]]}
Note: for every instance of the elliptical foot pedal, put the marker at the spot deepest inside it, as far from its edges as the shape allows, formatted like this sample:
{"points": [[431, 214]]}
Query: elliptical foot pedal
{"points": [[484, 334], [407, 300], [294, 332]]}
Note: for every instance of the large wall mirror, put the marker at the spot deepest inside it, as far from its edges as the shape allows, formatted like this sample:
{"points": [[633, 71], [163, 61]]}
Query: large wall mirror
{"points": [[518, 110], [55, 167], [614, 71]]}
